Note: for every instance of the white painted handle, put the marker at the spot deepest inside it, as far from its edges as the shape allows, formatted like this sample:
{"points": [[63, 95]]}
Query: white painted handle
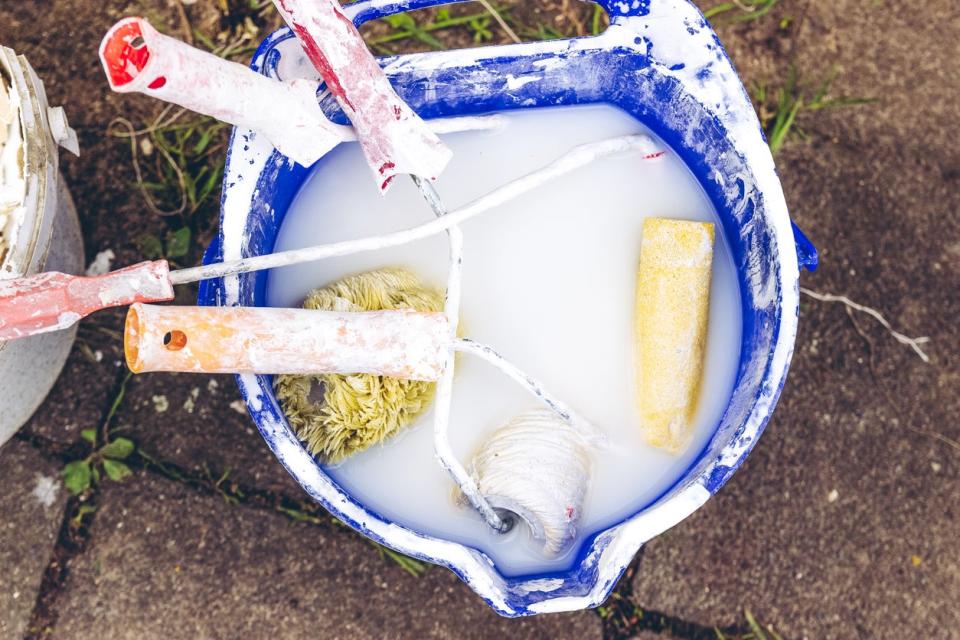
{"points": [[137, 58], [394, 138]]}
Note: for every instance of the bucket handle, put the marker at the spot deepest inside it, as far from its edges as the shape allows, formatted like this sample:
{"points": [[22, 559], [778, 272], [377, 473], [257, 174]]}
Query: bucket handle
{"points": [[807, 255], [362, 12]]}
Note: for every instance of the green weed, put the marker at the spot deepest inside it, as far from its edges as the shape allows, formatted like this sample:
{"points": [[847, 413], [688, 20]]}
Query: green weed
{"points": [[411, 565], [756, 631], [742, 10], [107, 456], [404, 26], [779, 110]]}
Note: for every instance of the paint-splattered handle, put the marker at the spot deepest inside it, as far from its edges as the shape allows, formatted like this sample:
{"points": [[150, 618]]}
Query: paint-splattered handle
{"points": [[399, 344], [394, 139], [137, 58], [53, 301]]}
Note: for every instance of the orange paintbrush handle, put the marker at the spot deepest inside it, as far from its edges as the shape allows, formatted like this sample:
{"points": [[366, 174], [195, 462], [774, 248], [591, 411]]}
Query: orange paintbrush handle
{"points": [[399, 344], [52, 301]]}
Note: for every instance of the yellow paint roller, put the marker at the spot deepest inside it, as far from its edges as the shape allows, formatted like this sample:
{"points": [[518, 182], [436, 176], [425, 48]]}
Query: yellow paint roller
{"points": [[401, 343], [673, 299]]}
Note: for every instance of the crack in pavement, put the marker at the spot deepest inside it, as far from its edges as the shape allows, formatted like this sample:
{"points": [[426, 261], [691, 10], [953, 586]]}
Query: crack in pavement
{"points": [[74, 534], [624, 619], [621, 617], [72, 540]]}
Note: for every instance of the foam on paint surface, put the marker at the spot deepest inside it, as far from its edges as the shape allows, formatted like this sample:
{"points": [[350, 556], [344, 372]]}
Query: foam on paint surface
{"points": [[13, 181]]}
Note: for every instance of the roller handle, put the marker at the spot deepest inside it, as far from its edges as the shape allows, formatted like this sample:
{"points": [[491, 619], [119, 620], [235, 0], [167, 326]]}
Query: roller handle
{"points": [[258, 340], [53, 301], [136, 58], [394, 138]]}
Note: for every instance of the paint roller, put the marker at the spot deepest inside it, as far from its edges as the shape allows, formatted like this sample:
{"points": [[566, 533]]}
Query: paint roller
{"points": [[137, 58], [672, 308], [535, 468], [395, 141], [401, 344]]}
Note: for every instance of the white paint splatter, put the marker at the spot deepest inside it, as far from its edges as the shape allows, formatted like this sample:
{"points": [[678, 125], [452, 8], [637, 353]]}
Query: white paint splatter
{"points": [[191, 402], [102, 263], [13, 162], [160, 403], [45, 490]]}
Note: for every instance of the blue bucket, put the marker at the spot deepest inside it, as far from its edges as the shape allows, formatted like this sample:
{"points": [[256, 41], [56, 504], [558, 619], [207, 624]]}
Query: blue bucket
{"points": [[660, 62]]}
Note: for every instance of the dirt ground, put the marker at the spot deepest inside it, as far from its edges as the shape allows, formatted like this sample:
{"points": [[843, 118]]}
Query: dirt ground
{"points": [[844, 522]]}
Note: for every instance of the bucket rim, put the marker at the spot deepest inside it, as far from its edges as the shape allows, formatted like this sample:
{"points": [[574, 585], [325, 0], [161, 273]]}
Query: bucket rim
{"points": [[609, 551]]}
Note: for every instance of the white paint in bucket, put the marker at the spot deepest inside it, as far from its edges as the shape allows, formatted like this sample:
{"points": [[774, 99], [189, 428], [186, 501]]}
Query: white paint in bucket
{"points": [[42, 234], [540, 273]]}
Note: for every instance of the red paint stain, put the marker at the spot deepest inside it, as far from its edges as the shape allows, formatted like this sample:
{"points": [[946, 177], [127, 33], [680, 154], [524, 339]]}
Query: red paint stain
{"points": [[119, 55], [386, 167], [156, 84], [323, 65], [655, 155]]}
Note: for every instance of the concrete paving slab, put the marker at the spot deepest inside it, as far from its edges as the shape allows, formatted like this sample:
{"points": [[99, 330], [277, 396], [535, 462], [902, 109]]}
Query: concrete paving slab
{"points": [[32, 505], [844, 522], [166, 561], [200, 423], [83, 390]]}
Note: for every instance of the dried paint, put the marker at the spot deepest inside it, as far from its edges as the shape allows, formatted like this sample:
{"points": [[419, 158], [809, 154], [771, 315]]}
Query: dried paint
{"points": [[394, 138], [13, 179]]}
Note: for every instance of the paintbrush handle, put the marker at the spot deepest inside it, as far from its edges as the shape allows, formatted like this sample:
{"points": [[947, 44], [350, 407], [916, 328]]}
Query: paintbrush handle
{"points": [[394, 139], [136, 58], [53, 301], [400, 344]]}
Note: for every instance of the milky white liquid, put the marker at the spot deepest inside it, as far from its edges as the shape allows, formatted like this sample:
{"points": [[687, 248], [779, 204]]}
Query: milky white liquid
{"points": [[549, 281]]}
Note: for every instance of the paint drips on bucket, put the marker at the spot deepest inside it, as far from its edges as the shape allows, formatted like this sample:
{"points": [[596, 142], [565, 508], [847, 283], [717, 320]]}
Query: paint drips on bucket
{"points": [[13, 180]]}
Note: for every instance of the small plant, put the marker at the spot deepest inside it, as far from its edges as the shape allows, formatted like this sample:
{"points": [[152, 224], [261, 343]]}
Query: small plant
{"points": [[748, 10], [404, 23], [81, 475], [174, 245], [779, 110], [599, 21], [480, 28], [107, 457], [756, 631], [542, 32], [405, 26], [411, 565]]}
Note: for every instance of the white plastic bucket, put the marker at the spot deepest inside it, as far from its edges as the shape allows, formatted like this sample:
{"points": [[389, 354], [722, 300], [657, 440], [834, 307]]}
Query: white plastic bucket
{"points": [[48, 239]]}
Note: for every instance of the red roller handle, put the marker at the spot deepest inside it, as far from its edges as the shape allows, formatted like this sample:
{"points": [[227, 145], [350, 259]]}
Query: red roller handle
{"points": [[53, 301]]}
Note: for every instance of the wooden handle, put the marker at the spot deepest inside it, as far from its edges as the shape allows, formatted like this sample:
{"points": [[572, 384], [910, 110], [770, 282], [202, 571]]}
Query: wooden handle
{"points": [[53, 301], [400, 344]]}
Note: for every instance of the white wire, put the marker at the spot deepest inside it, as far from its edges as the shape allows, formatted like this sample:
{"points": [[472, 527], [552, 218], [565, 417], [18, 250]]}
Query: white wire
{"points": [[444, 393], [571, 161]]}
